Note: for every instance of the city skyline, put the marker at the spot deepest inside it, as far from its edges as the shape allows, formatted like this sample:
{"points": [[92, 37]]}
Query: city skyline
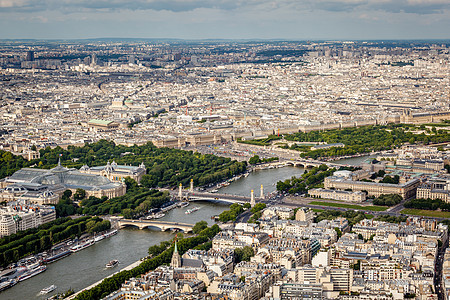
{"points": [[293, 20]]}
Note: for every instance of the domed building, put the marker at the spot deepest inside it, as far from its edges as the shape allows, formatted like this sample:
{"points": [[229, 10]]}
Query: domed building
{"points": [[43, 186], [115, 172]]}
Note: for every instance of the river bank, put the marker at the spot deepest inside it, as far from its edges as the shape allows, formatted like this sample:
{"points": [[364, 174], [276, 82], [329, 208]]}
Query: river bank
{"points": [[86, 267]]}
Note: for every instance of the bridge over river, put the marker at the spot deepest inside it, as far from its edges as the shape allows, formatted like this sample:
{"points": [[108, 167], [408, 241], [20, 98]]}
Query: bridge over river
{"points": [[163, 225], [197, 196]]}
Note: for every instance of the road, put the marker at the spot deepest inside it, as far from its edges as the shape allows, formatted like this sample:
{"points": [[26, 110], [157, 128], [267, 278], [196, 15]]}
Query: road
{"points": [[438, 272], [301, 202]]}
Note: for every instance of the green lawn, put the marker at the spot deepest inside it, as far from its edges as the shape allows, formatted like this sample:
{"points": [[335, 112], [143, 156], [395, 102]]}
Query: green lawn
{"points": [[426, 213], [372, 208], [437, 124]]}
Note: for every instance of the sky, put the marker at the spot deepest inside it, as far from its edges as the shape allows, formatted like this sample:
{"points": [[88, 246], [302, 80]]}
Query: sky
{"points": [[225, 19]]}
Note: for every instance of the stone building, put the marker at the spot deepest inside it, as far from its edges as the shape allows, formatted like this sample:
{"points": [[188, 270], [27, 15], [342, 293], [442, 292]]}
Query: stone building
{"points": [[115, 172], [19, 216], [37, 183]]}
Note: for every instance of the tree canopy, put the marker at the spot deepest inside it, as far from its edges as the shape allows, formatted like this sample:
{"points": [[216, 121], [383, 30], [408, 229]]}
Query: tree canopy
{"points": [[165, 166]]}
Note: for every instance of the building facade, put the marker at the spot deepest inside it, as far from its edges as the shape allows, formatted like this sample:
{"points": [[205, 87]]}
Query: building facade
{"points": [[115, 172]]}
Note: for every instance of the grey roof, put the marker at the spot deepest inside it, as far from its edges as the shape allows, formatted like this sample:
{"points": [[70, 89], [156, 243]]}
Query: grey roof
{"points": [[70, 178], [193, 263]]}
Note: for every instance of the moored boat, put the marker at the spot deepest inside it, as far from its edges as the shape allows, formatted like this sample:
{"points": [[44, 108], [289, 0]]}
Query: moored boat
{"points": [[50, 259], [111, 233], [158, 216], [98, 238], [32, 272], [78, 247], [7, 284]]}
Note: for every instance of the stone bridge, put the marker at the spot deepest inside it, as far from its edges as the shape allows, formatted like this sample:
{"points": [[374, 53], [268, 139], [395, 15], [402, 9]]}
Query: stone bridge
{"points": [[305, 163], [163, 225]]}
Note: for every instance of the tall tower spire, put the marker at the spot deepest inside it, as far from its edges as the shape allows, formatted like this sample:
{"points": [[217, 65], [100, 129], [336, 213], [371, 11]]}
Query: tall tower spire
{"points": [[176, 259], [252, 199], [180, 192]]}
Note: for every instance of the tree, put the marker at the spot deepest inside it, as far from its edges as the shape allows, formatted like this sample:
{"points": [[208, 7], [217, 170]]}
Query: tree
{"points": [[258, 207], [338, 231], [392, 180], [67, 194], [357, 266], [323, 167], [80, 194], [199, 226], [254, 160], [130, 183], [243, 254], [388, 199]]}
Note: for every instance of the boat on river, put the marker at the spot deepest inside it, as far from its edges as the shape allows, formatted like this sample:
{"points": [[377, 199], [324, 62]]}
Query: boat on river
{"points": [[7, 284], [47, 290], [98, 238], [32, 272], [112, 263], [111, 233], [158, 216], [55, 257], [78, 247], [190, 211]]}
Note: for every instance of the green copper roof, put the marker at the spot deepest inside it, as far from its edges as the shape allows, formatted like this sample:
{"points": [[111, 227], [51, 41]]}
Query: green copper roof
{"points": [[100, 122]]}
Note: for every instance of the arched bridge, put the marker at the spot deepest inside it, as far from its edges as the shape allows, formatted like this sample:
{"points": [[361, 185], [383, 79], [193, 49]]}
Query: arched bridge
{"points": [[218, 197], [305, 163], [163, 225]]}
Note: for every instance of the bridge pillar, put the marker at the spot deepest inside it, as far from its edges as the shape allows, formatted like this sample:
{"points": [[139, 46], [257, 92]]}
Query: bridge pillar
{"points": [[252, 199], [191, 189], [262, 192], [180, 192]]}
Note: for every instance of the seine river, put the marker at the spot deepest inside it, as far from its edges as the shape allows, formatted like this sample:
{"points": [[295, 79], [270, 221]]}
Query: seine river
{"points": [[86, 267]]}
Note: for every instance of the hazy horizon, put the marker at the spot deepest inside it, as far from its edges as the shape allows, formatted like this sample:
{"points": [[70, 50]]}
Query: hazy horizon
{"points": [[226, 19]]}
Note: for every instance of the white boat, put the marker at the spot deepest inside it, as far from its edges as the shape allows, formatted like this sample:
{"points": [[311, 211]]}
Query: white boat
{"points": [[99, 238], [32, 272], [7, 284], [111, 233], [48, 289], [158, 216], [82, 246], [184, 204], [112, 263], [190, 211]]}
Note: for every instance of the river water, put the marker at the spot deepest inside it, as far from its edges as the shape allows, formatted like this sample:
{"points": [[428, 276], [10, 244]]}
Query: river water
{"points": [[86, 267]]}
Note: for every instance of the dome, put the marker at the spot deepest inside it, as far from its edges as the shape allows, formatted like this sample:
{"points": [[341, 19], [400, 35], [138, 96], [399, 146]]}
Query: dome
{"points": [[84, 168], [59, 168], [109, 168], [15, 189], [46, 194]]}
